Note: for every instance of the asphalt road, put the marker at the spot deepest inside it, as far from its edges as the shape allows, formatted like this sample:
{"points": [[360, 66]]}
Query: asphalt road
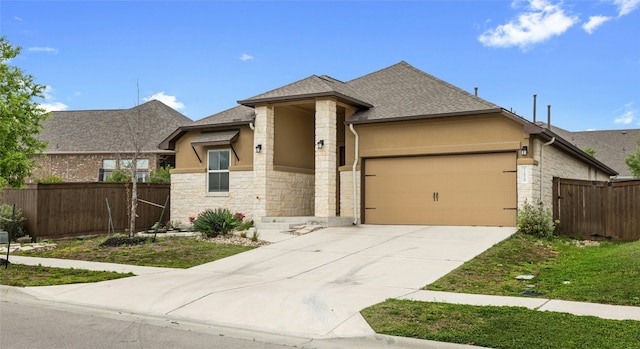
{"points": [[36, 325]]}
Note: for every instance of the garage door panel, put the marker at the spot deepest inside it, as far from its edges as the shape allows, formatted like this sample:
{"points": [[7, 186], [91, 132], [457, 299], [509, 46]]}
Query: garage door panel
{"points": [[474, 189]]}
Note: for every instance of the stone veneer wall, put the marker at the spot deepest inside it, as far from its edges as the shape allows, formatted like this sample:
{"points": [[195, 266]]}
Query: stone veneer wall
{"points": [[290, 194], [80, 167], [346, 194], [326, 159], [555, 164], [189, 195]]}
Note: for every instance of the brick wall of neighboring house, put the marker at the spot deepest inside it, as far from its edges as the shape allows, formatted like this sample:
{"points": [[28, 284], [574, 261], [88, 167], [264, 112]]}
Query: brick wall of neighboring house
{"points": [[189, 195], [555, 163], [81, 167]]}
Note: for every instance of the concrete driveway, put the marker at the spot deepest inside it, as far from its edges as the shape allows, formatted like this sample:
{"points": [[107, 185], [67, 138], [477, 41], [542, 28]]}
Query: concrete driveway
{"points": [[312, 285]]}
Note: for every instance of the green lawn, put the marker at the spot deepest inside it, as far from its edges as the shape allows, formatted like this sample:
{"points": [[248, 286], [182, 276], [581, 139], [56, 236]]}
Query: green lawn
{"points": [[170, 252], [500, 327], [32, 275], [608, 273]]}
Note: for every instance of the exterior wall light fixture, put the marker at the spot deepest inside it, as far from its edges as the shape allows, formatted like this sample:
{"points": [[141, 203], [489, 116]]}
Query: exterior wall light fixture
{"points": [[258, 148], [320, 144], [524, 150]]}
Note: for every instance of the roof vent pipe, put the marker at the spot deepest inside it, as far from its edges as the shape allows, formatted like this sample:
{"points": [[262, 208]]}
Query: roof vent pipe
{"points": [[534, 108], [549, 116], [475, 89]]}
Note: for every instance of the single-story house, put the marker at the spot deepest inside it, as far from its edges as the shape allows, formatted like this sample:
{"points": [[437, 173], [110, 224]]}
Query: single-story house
{"points": [[87, 145], [396, 146], [611, 146]]}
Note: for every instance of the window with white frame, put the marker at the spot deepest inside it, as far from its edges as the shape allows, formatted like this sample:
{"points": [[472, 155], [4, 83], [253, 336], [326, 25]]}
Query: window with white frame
{"points": [[108, 165], [218, 170]]}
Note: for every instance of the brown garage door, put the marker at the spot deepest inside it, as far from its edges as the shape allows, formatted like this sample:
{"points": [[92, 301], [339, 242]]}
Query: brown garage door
{"points": [[474, 189]]}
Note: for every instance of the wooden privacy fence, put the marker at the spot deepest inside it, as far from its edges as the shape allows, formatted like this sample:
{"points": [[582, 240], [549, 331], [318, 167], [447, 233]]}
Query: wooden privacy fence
{"points": [[591, 209], [60, 210]]}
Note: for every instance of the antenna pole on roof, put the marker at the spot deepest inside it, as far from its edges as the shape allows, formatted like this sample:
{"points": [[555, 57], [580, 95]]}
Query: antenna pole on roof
{"points": [[475, 89], [534, 107], [549, 116]]}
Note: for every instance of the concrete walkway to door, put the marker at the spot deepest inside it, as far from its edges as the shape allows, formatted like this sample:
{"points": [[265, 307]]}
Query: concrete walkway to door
{"points": [[312, 285]]}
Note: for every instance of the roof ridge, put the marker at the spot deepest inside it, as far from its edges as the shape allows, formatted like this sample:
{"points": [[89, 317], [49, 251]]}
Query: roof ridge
{"points": [[377, 71], [451, 86]]}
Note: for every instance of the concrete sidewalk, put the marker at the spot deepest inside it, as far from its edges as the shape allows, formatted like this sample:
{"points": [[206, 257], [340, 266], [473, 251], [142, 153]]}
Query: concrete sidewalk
{"points": [[312, 286], [605, 311]]}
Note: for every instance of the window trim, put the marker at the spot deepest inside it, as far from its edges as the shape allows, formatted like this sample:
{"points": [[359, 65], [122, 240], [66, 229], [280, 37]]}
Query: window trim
{"points": [[209, 171]]}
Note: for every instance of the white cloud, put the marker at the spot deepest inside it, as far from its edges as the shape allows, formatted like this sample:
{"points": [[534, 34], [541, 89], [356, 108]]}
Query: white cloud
{"points": [[594, 22], [171, 101], [628, 115], [54, 106], [50, 103], [539, 22], [246, 57], [626, 6], [43, 49], [17, 18]]}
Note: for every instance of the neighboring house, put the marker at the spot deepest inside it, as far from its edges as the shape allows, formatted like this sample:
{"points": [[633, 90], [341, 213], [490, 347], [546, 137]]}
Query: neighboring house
{"points": [[87, 145], [612, 146], [397, 146]]}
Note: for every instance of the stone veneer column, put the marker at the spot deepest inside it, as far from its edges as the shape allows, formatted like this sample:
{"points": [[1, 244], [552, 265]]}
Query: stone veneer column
{"points": [[263, 161], [325, 160]]}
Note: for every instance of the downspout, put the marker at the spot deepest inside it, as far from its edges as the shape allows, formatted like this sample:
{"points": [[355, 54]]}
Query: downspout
{"points": [[353, 174], [252, 126], [541, 163]]}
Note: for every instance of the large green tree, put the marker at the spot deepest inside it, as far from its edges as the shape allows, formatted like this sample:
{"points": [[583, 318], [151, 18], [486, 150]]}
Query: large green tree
{"points": [[21, 119], [633, 161]]}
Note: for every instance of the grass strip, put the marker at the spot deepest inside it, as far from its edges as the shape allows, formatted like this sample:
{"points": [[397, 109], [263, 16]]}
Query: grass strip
{"points": [[500, 327], [37, 275], [605, 272]]}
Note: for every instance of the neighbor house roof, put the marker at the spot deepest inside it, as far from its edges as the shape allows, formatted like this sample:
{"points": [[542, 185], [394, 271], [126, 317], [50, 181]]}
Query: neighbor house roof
{"points": [[611, 146], [102, 131]]}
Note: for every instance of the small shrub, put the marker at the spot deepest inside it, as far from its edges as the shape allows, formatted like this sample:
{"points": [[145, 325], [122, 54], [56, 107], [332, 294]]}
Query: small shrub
{"points": [[536, 220], [49, 179], [161, 175], [245, 225], [255, 236], [19, 228], [215, 222], [119, 175]]}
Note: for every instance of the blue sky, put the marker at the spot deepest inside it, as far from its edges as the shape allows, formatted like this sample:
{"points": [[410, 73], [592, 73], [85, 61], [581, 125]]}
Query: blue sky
{"points": [[200, 57]]}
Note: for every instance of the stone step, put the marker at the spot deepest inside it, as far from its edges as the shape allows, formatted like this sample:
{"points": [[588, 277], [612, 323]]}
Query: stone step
{"points": [[282, 226]]}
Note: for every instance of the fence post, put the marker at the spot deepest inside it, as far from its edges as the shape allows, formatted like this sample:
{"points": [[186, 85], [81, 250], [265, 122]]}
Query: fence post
{"points": [[555, 197]]}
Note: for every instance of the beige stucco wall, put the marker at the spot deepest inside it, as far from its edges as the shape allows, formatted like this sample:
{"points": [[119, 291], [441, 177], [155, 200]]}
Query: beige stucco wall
{"points": [[294, 144], [187, 161], [438, 136]]}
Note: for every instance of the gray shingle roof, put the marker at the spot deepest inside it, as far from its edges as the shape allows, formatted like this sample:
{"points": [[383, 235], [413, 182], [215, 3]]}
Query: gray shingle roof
{"points": [[87, 131], [235, 115], [311, 87], [611, 146], [402, 91]]}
